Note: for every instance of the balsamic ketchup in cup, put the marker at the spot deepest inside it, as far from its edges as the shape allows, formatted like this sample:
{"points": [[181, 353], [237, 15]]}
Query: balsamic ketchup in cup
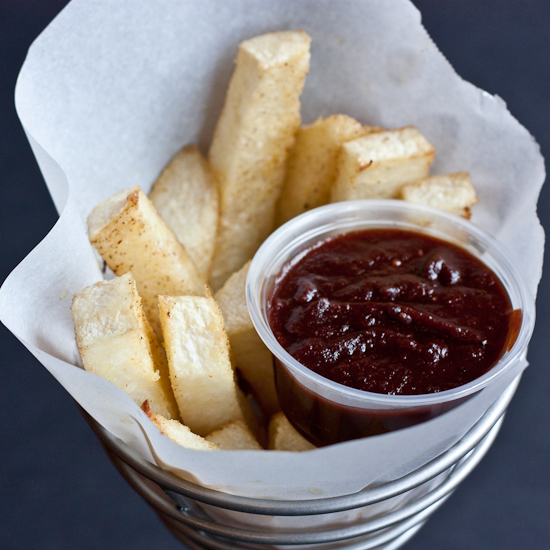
{"points": [[382, 315]]}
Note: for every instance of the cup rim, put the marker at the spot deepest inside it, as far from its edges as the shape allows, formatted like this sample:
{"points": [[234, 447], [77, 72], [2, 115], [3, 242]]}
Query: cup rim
{"points": [[329, 216]]}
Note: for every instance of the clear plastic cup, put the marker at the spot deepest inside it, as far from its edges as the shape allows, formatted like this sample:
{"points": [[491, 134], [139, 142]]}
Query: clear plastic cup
{"points": [[326, 412]]}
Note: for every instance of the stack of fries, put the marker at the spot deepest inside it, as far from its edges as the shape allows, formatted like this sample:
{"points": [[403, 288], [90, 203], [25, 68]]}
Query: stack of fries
{"points": [[172, 329]]}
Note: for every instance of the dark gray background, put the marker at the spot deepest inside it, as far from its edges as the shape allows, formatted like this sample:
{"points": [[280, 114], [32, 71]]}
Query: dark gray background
{"points": [[57, 488]]}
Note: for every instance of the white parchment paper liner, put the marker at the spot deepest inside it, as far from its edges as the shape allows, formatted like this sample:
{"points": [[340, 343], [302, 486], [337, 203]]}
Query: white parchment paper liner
{"points": [[111, 90]]}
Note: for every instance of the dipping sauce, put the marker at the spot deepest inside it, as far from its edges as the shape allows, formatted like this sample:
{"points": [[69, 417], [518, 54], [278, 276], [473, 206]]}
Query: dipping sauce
{"points": [[391, 311]]}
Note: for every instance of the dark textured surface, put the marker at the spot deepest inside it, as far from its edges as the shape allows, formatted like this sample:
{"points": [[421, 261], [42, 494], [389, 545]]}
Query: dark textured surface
{"points": [[59, 491]]}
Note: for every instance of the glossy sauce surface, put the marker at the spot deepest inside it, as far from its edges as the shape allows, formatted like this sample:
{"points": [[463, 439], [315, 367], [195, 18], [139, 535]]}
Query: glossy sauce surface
{"points": [[391, 311]]}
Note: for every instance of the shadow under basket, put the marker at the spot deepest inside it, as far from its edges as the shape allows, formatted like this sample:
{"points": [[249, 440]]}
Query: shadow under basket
{"points": [[177, 501]]}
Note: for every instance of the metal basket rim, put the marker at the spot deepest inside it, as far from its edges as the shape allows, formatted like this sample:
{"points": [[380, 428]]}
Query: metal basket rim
{"points": [[378, 528], [364, 497]]}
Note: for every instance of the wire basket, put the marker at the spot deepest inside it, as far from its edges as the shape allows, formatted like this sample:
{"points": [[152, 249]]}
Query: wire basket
{"points": [[177, 501]]}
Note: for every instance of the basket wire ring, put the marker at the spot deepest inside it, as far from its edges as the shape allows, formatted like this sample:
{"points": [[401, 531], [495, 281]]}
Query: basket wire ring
{"points": [[174, 498]]}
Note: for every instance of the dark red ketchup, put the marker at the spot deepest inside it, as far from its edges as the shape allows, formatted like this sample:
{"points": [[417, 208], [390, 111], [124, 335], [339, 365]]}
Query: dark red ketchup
{"points": [[386, 311]]}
